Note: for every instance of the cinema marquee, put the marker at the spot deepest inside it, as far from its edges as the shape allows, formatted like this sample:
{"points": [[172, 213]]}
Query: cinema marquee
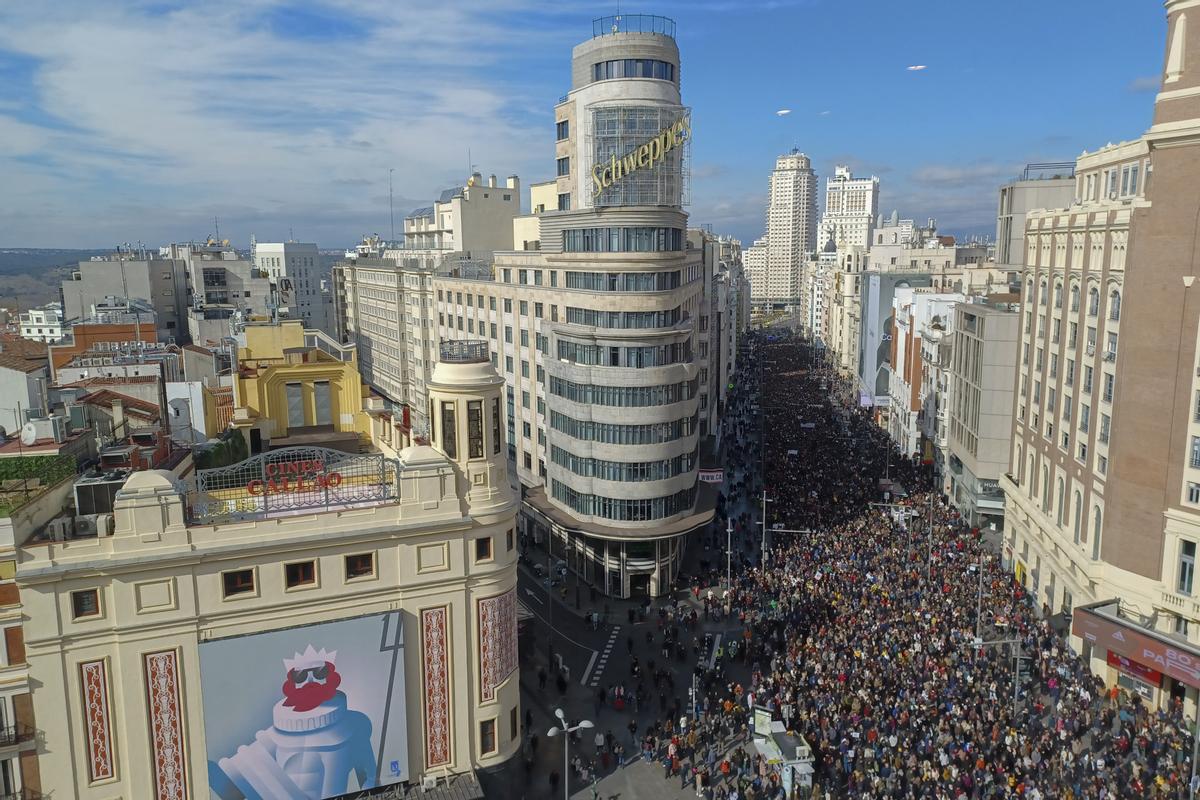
{"points": [[292, 479]]}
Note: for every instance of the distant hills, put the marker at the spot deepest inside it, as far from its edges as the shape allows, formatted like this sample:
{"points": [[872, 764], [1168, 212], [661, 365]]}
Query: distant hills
{"points": [[31, 276], [16, 260]]}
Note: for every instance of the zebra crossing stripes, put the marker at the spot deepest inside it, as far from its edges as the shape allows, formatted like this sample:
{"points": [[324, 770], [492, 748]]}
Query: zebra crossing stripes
{"points": [[603, 660]]}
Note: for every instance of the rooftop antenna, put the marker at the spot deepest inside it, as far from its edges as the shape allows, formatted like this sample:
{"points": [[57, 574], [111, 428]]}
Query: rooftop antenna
{"points": [[217, 226], [391, 204], [291, 238]]}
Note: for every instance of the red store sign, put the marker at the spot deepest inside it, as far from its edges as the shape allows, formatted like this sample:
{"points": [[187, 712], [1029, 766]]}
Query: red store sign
{"points": [[1180, 662], [1134, 669]]}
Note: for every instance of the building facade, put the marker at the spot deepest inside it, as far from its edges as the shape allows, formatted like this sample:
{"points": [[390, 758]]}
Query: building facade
{"points": [[378, 588], [295, 269], [985, 345], [598, 332], [915, 314], [791, 227], [851, 207], [156, 279], [1040, 186], [44, 324]]}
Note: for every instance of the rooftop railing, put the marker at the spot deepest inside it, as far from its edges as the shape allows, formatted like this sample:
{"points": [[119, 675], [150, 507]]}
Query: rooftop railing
{"points": [[633, 23], [464, 351]]}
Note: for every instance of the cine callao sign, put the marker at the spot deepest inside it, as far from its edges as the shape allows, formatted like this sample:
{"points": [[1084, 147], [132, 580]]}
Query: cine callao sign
{"points": [[641, 157], [295, 476]]}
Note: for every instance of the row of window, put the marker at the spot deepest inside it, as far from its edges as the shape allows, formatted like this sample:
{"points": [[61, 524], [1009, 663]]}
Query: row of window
{"points": [[596, 318], [595, 505], [624, 281], [623, 470], [611, 433], [296, 575], [601, 355], [633, 68], [449, 428], [623, 240], [623, 396], [1114, 299]]}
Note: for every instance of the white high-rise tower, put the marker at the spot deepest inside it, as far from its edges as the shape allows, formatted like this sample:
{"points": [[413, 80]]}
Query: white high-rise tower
{"points": [[791, 227], [851, 205]]}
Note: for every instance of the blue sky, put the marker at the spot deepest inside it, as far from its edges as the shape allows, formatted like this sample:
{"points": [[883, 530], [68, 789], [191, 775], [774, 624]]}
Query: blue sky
{"points": [[143, 119]]}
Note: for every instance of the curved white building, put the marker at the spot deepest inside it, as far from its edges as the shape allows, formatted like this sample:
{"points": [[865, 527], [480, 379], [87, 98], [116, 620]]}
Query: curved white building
{"points": [[596, 332]]}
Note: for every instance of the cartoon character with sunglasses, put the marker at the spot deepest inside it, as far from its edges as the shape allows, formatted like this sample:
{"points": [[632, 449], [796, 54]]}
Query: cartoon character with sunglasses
{"points": [[312, 748]]}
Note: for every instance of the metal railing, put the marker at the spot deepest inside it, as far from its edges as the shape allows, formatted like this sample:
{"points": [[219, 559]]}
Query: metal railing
{"points": [[14, 735], [463, 351], [633, 23]]}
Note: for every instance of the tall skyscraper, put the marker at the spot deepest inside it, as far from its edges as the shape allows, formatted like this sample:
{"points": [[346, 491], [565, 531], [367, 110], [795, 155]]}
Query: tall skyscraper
{"points": [[601, 333], [851, 205], [791, 227]]}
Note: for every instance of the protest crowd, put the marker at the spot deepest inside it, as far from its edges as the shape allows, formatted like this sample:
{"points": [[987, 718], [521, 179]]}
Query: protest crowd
{"points": [[858, 630]]}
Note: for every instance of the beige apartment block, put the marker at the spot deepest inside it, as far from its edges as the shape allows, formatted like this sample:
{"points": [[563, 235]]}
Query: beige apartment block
{"points": [[304, 623]]}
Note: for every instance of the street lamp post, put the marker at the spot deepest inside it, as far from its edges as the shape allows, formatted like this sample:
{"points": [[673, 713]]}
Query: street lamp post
{"points": [[566, 730], [765, 500], [729, 553]]}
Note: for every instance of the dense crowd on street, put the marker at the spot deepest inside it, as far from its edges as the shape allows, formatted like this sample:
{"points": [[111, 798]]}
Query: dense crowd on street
{"points": [[859, 631]]}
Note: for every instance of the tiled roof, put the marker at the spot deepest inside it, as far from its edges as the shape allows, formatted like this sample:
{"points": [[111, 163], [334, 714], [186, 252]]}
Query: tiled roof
{"points": [[20, 363], [133, 405]]}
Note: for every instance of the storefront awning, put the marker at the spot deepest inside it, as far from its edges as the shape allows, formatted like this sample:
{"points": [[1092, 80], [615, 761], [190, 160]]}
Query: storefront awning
{"points": [[1101, 625]]}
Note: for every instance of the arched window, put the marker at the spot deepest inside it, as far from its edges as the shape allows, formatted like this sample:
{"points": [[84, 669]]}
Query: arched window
{"points": [[1096, 519], [1062, 503], [1020, 465], [1042, 299], [1058, 295], [1045, 488], [1074, 298], [1079, 516], [1093, 301], [1031, 486], [1114, 305]]}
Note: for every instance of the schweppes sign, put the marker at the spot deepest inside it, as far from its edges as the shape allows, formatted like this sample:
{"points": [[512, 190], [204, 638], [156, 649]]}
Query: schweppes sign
{"points": [[643, 156]]}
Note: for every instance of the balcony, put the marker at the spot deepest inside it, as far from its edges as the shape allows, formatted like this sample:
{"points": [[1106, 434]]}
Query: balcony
{"points": [[633, 23], [14, 739]]}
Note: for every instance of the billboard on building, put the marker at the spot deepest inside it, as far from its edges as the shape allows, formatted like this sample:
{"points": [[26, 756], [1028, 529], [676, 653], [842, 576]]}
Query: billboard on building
{"points": [[309, 712], [639, 155]]}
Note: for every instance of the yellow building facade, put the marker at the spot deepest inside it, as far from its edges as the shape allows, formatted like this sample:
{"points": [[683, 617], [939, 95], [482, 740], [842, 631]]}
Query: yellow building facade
{"points": [[295, 386]]}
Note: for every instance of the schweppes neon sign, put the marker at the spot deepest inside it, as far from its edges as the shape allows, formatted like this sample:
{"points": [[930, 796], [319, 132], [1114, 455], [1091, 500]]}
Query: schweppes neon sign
{"points": [[644, 156]]}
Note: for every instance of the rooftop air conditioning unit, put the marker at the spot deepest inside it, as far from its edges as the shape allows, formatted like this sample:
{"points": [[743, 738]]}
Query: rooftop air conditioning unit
{"points": [[60, 529]]}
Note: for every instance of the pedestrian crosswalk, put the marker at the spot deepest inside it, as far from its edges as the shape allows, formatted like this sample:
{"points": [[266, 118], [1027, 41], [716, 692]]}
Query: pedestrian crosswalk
{"points": [[604, 654]]}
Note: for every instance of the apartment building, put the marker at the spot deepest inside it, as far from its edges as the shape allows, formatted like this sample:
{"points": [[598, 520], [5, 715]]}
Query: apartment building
{"points": [[851, 208], [755, 261], [224, 289], [134, 274], [1041, 185], [295, 269], [915, 314], [42, 324], [984, 356], [598, 332]]}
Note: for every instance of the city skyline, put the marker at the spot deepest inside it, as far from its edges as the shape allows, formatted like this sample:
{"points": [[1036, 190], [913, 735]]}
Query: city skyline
{"points": [[284, 118]]}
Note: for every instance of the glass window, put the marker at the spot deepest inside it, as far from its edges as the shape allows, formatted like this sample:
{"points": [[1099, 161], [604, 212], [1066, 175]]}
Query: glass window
{"points": [[564, 166], [323, 400], [1187, 566], [238, 581], [86, 603], [300, 573], [495, 425], [294, 393], [449, 431], [563, 129], [483, 548], [360, 565], [475, 429], [564, 201]]}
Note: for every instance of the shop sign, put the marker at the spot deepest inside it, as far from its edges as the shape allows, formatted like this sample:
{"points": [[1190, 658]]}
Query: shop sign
{"points": [[643, 156], [1134, 669], [712, 476], [1178, 661]]}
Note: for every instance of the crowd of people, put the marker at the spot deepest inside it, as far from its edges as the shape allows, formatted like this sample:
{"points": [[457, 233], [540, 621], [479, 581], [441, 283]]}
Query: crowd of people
{"points": [[861, 631]]}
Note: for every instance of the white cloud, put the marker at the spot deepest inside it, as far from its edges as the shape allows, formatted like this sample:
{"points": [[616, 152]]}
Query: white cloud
{"points": [[783, 112], [170, 112], [916, 67]]}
